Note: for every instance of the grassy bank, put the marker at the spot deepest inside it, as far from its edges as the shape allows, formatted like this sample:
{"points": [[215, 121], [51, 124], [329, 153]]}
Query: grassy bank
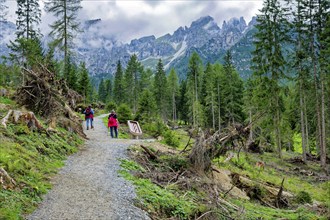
{"points": [[31, 159]]}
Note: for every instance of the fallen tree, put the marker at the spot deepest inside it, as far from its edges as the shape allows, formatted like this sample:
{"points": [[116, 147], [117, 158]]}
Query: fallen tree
{"points": [[50, 98], [206, 148]]}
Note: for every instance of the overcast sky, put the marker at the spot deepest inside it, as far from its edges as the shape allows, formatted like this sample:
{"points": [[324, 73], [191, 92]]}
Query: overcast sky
{"points": [[129, 19]]}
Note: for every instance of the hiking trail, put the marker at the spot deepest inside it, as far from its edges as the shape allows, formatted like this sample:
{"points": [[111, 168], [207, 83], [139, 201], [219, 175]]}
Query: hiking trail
{"points": [[88, 186]]}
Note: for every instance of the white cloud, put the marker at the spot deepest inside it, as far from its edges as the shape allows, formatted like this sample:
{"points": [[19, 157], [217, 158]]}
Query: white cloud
{"points": [[129, 19]]}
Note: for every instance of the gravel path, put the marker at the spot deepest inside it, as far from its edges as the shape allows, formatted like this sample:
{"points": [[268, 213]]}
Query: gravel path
{"points": [[88, 186]]}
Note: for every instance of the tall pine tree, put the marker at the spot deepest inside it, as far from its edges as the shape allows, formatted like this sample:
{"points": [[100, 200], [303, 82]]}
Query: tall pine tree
{"points": [[65, 28], [160, 90], [118, 87], [269, 62]]}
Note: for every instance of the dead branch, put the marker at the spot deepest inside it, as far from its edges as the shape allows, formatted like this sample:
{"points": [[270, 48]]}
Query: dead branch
{"points": [[279, 195], [151, 155]]}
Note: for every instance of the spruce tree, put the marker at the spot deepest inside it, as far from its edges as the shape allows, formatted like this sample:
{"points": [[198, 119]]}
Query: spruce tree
{"points": [[269, 63], [160, 90], [183, 106], [210, 97], [194, 78], [65, 28], [173, 86], [102, 91], [232, 90], [147, 107], [84, 84], [28, 18], [118, 87], [132, 82], [108, 90]]}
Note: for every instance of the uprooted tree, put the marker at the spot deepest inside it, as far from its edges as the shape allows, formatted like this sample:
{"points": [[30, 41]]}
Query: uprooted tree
{"points": [[48, 97], [206, 148]]}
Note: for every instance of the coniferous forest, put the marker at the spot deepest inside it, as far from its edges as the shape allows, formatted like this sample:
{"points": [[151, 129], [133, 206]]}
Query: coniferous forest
{"points": [[283, 107]]}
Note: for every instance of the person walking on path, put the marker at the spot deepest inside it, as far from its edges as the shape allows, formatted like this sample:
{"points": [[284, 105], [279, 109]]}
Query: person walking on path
{"points": [[113, 124], [89, 116]]}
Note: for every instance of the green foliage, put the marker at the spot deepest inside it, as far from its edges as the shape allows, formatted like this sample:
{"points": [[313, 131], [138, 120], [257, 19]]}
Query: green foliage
{"points": [[31, 158], [124, 113], [303, 197], [118, 87], [111, 106], [155, 128], [171, 139], [147, 107]]}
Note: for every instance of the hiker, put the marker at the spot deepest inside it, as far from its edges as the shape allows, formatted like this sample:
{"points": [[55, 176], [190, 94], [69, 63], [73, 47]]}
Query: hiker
{"points": [[89, 116], [113, 124]]}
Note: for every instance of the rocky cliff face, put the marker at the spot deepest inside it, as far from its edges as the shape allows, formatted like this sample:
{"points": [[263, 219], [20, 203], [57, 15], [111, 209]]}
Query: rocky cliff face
{"points": [[101, 52]]}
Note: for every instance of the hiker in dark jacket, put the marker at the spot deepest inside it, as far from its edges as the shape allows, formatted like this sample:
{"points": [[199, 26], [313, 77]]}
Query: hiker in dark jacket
{"points": [[89, 115], [113, 124]]}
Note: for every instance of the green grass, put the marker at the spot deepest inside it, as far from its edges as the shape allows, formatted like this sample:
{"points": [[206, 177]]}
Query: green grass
{"points": [[7, 101], [31, 159], [319, 191], [256, 211]]}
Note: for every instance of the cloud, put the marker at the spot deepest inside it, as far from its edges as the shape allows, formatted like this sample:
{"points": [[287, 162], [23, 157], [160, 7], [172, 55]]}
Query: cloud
{"points": [[129, 19]]}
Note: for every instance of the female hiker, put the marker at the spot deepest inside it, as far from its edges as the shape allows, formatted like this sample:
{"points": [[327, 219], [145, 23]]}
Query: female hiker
{"points": [[113, 124]]}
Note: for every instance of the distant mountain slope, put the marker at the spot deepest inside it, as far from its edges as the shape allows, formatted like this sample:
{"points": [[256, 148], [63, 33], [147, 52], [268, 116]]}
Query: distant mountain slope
{"points": [[101, 52]]}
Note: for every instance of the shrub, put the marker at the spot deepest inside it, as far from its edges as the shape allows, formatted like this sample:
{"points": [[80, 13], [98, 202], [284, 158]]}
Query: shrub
{"points": [[303, 197], [110, 106], [171, 139], [124, 113]]}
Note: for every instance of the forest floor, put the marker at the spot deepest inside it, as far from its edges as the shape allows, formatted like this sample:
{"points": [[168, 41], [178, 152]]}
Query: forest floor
{"points": [[88, 186]]}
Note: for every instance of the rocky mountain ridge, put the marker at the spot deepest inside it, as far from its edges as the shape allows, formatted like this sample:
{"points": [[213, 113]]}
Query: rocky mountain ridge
{"points": [[101, 52]]}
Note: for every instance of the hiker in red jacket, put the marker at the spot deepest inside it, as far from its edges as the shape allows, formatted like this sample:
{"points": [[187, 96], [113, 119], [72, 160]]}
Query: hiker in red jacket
{"points": [[113, 123], [89, 116]]}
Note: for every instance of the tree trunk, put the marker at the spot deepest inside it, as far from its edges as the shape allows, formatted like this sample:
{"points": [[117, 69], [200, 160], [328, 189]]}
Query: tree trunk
{"points": [[323, 145], [302, 122]]}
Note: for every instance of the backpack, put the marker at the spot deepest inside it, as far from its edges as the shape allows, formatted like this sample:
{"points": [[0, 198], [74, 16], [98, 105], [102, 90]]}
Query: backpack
{"points": [[88, 112]]}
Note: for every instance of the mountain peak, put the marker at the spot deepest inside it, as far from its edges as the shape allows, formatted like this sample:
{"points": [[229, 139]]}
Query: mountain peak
{"points": [[202, 21]]}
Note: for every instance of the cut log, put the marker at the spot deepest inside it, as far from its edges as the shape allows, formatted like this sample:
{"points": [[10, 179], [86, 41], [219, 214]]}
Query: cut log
{"points": [[5, 180], [27, 118]]}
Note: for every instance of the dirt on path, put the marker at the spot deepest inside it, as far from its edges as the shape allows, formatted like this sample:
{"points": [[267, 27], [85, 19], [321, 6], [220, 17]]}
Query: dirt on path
{"points": [[88, 186]]}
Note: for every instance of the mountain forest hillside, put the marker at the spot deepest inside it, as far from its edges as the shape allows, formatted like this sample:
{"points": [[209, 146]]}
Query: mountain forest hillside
{"points": [[222, 144]]}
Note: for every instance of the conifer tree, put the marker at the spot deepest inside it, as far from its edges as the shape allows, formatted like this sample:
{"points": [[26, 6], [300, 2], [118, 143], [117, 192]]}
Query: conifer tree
{"points": [[132, 82], [194, 78], [73, 75], [218, 71], [84, 87], [28, 18], [233, 91], [147, 106], [102, 91], [146, 80], [65, 28], [268, 59], [300, 64], [173, 85], [118, 87], [160, 90], [183, 107], [325, 86], [209, 94], [108, 90]]}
